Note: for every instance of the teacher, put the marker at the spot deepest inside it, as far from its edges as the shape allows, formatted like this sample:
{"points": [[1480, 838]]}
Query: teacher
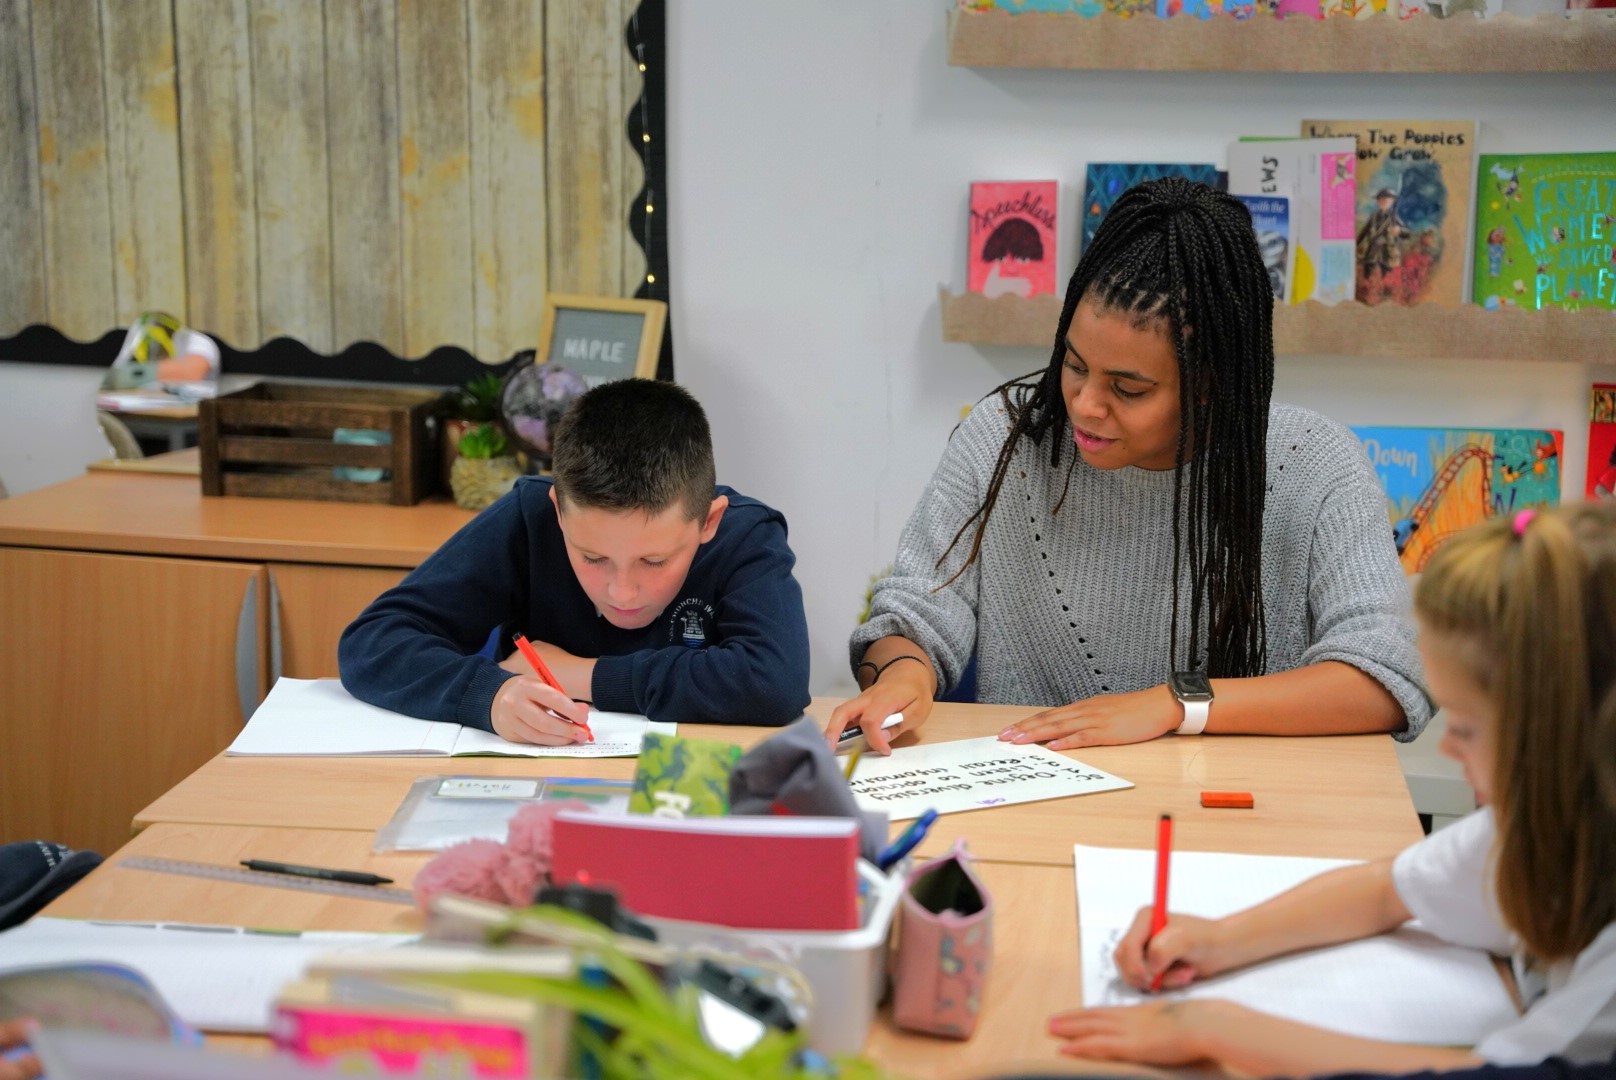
{"points": [[1135, 537]]}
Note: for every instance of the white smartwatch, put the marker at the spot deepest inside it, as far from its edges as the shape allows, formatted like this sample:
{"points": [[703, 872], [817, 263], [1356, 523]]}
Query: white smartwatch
{"points": [[1194, 691]]}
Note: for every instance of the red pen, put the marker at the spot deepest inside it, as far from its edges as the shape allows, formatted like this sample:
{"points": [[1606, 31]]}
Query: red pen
{"points": [[1158, 914], [543, 671]]}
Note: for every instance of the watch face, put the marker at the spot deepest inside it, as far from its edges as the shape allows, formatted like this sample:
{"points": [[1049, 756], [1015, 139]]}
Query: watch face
{"points": [[1191, 686]]}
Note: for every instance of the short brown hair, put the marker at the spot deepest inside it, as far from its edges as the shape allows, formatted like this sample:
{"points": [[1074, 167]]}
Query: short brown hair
{"points": [[1529, 601], [635, 444]]}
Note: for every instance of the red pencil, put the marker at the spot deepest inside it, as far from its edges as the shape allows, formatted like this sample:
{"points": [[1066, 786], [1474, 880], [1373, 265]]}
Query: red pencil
{"points": [[543, 671], [1158, 914]]}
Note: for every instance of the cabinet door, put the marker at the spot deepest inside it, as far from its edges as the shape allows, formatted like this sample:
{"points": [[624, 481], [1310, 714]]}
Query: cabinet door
{"points": [[119, 675], [314, 606]]}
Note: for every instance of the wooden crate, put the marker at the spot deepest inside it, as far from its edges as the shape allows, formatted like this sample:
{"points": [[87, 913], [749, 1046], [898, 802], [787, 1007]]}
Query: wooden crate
{"points": [[276, 440]]}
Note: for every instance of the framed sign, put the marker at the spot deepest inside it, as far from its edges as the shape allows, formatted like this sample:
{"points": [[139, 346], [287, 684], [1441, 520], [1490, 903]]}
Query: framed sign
{"points": [[602, 338]]}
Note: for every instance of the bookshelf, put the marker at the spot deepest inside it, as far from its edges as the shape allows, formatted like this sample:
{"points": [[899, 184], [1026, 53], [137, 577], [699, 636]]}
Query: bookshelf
{"points": [[1421, 332], [1583, 41]]}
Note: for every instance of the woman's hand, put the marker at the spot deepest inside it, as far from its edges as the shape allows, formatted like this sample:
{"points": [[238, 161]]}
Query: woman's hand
{"points": [[17, 1066], [1157, 1033], [1105, 720], [1186, 949], [903, 688], [528, 710]]}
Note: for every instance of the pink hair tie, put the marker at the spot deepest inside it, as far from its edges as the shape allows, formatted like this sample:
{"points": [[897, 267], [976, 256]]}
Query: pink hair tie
{"points": [[1522, 520]]}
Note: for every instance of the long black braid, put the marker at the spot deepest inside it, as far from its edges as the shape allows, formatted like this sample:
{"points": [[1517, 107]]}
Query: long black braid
{"points": [[1180, 256]]}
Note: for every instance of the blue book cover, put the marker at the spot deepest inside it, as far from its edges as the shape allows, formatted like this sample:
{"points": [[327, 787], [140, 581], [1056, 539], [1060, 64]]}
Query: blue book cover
{"points": [[1271, 218], [1439, 481], [1109, 179]]}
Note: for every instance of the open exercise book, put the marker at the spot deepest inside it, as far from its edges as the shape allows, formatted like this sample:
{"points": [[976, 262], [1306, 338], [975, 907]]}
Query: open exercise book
{"points": [[1402, 987], [318, 718], [215, 978]]}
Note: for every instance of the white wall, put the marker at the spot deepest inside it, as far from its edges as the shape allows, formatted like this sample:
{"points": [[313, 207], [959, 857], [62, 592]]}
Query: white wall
{"points": [[819, 166]]}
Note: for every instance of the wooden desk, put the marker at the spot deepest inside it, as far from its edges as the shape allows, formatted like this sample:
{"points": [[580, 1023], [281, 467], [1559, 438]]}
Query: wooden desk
{"points": [[1335, 796], [143, 622], [1036, 962]]}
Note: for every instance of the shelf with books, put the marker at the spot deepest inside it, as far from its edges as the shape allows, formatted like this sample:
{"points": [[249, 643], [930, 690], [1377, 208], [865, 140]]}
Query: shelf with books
{"points": [[1577, 41], [1420, 332]]}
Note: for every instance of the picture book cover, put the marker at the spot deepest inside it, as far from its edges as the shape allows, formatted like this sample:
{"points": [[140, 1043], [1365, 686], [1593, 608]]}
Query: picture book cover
{"points": [[1123, 8], [1012, 238], [1311, 9], [1319, 176], [1271, 218], [1601, 482], [1414, 182], [1109, 179], [678, 777], [1546, 231], [1441, 480]]}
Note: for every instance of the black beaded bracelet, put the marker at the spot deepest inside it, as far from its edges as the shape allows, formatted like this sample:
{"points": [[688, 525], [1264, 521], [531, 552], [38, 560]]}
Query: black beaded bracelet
{"points": [[895, 659]]}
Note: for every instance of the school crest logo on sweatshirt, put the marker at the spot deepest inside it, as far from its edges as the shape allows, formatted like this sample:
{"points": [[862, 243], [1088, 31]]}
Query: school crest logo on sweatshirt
{"points": [[691, 623]]}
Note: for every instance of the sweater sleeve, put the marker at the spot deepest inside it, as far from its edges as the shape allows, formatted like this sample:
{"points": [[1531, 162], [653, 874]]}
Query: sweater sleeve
{"points": [[1359, 601], [908, 602], [414, 649], [756, 673]]}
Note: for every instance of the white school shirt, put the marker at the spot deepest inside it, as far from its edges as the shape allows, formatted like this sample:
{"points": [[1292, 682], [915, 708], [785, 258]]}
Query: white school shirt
{"points": [[1445, 881]]}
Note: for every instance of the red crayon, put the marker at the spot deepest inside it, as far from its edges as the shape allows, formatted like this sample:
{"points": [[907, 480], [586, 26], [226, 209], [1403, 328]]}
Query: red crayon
{"points": [[543, 671], [1158, 914]]}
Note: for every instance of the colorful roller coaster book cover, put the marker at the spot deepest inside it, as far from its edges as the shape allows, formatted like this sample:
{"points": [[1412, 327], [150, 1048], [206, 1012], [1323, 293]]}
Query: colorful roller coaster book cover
{"points": [[1109, 179], [1601, 481], [1415, 179], [1012, 238], [1439, 481], [1546, 231]]}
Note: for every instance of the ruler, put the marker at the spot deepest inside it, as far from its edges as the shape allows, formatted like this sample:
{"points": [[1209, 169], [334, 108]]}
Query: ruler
{"points": [[242, 876]]}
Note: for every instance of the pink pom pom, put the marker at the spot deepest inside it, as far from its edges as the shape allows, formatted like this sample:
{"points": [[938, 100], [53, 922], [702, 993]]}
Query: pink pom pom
{"points": [[519, 878], [470, 868], [530, 830]]}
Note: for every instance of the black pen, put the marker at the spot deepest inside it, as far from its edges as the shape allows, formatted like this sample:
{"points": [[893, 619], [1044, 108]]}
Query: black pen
{"points": [[351, 877]]}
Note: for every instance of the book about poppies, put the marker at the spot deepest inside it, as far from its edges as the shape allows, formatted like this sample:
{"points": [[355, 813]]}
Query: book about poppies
{"points": [[1414, 181], [1012, 238], [1439, 481], [1546, 231]]}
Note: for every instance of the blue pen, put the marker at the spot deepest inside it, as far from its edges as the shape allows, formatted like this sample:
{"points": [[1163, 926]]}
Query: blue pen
{"points": [[904, 844]]}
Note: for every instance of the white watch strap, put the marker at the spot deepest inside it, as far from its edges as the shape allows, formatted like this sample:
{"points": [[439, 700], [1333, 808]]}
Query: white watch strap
{"points": [[1195, 714]]}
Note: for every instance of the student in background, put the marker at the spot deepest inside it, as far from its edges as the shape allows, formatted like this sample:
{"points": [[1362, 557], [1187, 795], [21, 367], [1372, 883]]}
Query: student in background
{"points": [[16, 1063], [644, 587], [1518, 629], [1135, 538]]}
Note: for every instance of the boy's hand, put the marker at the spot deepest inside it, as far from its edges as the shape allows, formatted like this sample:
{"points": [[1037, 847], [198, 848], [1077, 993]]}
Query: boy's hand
{"points": [[525, 710], [575, 673]]}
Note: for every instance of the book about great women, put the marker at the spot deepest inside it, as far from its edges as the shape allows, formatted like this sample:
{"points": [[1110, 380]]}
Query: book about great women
{"points": [[1546, 231]]}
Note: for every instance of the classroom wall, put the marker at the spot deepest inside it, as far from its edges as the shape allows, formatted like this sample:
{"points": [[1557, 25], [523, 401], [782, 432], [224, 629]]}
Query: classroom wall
{"points": [[819, 166]]}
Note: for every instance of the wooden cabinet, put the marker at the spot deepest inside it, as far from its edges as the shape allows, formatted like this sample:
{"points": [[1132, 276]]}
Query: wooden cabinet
{"points": [[140, 623], [119, 675]]}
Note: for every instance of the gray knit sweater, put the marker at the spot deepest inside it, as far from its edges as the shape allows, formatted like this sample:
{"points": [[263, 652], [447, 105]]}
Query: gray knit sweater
{"points": [[1062, 607]]}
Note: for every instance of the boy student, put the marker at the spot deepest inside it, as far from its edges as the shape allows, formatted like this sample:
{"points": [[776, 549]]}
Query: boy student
{"points": [[643, 586]]}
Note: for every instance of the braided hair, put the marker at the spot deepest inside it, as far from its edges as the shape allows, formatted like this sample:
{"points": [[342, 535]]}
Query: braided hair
{"points": [[1180, 257]]}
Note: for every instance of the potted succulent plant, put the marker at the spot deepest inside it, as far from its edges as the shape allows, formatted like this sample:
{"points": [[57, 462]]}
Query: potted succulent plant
{"points": [[484, 469], [475, 403]]}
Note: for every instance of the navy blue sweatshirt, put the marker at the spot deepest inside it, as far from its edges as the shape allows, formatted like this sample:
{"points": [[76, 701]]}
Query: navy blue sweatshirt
{"points": [[732, 648]]}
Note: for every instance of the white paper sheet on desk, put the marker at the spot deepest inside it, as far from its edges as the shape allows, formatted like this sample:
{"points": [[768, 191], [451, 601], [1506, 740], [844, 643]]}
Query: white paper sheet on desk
{"points": [[971, 774], [1403, 987], [214, 978], [318, 718]]}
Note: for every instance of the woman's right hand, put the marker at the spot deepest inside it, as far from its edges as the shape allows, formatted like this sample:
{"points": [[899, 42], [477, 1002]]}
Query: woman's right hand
{"points": [[902, 688], [1187, 948], [525, 710]]}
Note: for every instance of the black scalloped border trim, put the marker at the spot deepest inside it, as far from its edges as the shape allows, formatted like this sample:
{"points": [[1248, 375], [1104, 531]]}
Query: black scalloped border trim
{"points": [[282, 357], [647, 32]]}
